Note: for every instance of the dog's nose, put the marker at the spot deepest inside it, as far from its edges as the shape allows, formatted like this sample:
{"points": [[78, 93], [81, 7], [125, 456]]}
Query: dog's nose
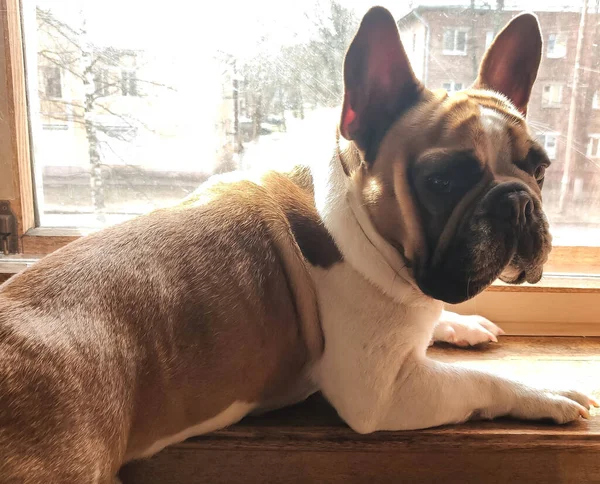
{"points": [[515, 206]]}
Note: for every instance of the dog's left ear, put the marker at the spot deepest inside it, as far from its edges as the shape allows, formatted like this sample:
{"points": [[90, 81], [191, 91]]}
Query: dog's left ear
{"points": [[379, 82], [511, 63]]}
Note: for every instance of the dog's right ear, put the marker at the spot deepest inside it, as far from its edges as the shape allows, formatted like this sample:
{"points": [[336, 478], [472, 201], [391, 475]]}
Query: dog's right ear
{"points": [[379, 82]]}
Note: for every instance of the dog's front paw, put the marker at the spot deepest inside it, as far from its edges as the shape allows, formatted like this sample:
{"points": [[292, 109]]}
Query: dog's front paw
{"points": [[465, 330], [559, 406]]}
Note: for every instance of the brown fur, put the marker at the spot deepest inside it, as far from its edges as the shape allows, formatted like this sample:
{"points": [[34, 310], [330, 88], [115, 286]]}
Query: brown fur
{"points": [[150, 327]]}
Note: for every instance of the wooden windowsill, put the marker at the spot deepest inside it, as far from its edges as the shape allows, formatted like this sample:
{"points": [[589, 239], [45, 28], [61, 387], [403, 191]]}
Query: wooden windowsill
{"points": [[309, 443]]}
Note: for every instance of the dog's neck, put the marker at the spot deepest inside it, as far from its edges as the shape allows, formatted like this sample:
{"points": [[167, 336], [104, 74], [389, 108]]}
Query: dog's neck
{"points": [[349, 224]]}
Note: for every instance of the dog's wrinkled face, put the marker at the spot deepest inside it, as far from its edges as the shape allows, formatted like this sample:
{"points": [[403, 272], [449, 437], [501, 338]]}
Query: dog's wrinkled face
{"points": [[453, 182]]}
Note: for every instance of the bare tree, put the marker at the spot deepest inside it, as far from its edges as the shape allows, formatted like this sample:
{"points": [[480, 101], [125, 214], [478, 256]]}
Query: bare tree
{"points": [[100, 74], [309, 72], [335, 26], [263, 80]]}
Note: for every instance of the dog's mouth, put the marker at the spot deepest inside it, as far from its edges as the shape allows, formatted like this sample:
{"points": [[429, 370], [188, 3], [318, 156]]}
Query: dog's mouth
{"points": [[521, 271], [464, 272], [485, 247], [521, 277]]}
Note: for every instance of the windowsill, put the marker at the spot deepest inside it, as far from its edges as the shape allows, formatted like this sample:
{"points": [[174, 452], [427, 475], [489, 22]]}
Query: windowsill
{"points": [[553, 106], [310, 443]]}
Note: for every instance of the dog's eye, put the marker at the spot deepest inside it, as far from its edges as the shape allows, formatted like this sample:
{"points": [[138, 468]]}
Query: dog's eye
{"points": [[540, 172], [439, 184]]}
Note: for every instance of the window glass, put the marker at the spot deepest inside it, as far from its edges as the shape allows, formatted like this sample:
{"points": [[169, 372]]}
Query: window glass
{"points": [[557, 45], [133, 106], [552, 95]]}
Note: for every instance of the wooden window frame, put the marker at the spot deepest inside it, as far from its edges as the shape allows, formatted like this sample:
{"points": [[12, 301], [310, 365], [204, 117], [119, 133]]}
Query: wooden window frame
{"points": [[565, 302]]}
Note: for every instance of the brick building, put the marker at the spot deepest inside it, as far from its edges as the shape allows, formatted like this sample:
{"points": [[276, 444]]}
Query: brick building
{"points": [[445, 46]]}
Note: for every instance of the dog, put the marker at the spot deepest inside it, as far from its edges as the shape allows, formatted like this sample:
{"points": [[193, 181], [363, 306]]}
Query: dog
{"points": [[258, 291]]}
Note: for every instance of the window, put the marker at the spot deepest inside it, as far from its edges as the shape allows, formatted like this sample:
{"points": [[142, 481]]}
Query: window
{"points": [[557, 46], [238, 89], [552, 95], [102, 82], [549, 142], [452, 86], [595, 101], [593, 147], [52, 81], [455, 41], [129, 83], [489, 38]]}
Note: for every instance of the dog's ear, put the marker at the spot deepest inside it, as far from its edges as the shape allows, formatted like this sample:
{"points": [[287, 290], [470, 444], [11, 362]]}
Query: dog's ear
{"points": [[511, 63], [378, 80]]}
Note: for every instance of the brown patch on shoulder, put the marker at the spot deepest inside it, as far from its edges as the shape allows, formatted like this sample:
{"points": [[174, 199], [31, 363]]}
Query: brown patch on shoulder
{"points": [[294, 192]]}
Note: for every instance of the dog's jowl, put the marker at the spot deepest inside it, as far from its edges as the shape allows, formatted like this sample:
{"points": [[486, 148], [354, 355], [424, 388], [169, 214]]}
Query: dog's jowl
{"points": [[257, 292]]}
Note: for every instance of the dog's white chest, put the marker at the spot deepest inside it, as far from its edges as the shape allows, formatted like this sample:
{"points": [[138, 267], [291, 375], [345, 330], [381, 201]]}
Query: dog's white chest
{"points": [[368, 337], [358, 319]]}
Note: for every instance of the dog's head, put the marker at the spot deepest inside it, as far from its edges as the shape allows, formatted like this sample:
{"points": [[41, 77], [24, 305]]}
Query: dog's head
{"points": [[451, 181]]}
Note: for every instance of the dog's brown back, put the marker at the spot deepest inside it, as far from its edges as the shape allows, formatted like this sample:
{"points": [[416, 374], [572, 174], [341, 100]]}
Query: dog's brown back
{"points": [[156, 304]]}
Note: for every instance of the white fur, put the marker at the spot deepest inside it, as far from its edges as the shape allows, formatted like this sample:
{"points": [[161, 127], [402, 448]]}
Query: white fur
{"points": [[232, 414], [377, 326]]}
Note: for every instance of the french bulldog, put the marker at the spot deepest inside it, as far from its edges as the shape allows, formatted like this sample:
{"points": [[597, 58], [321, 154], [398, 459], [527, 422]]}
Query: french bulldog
{"points": [[260, 290]]}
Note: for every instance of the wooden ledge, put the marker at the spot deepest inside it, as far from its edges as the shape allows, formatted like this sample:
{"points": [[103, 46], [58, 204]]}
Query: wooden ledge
{"points": [[554, 283], [309, 443]]}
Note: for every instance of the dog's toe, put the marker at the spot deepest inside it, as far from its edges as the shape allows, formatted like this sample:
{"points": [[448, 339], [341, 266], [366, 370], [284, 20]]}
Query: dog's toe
{"points": [[466, 331]]}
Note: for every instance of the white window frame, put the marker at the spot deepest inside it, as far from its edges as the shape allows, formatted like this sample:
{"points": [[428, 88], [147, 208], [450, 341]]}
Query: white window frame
{"points": [[553, 105], [455, 31]]}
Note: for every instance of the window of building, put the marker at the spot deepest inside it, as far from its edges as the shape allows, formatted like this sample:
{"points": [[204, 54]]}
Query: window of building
{"points": [[552, 95], [129, 83], [52, 80], [593, 147], [455, 41], [452, 86], [102, 82], [549, 141], [557, 46]]}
